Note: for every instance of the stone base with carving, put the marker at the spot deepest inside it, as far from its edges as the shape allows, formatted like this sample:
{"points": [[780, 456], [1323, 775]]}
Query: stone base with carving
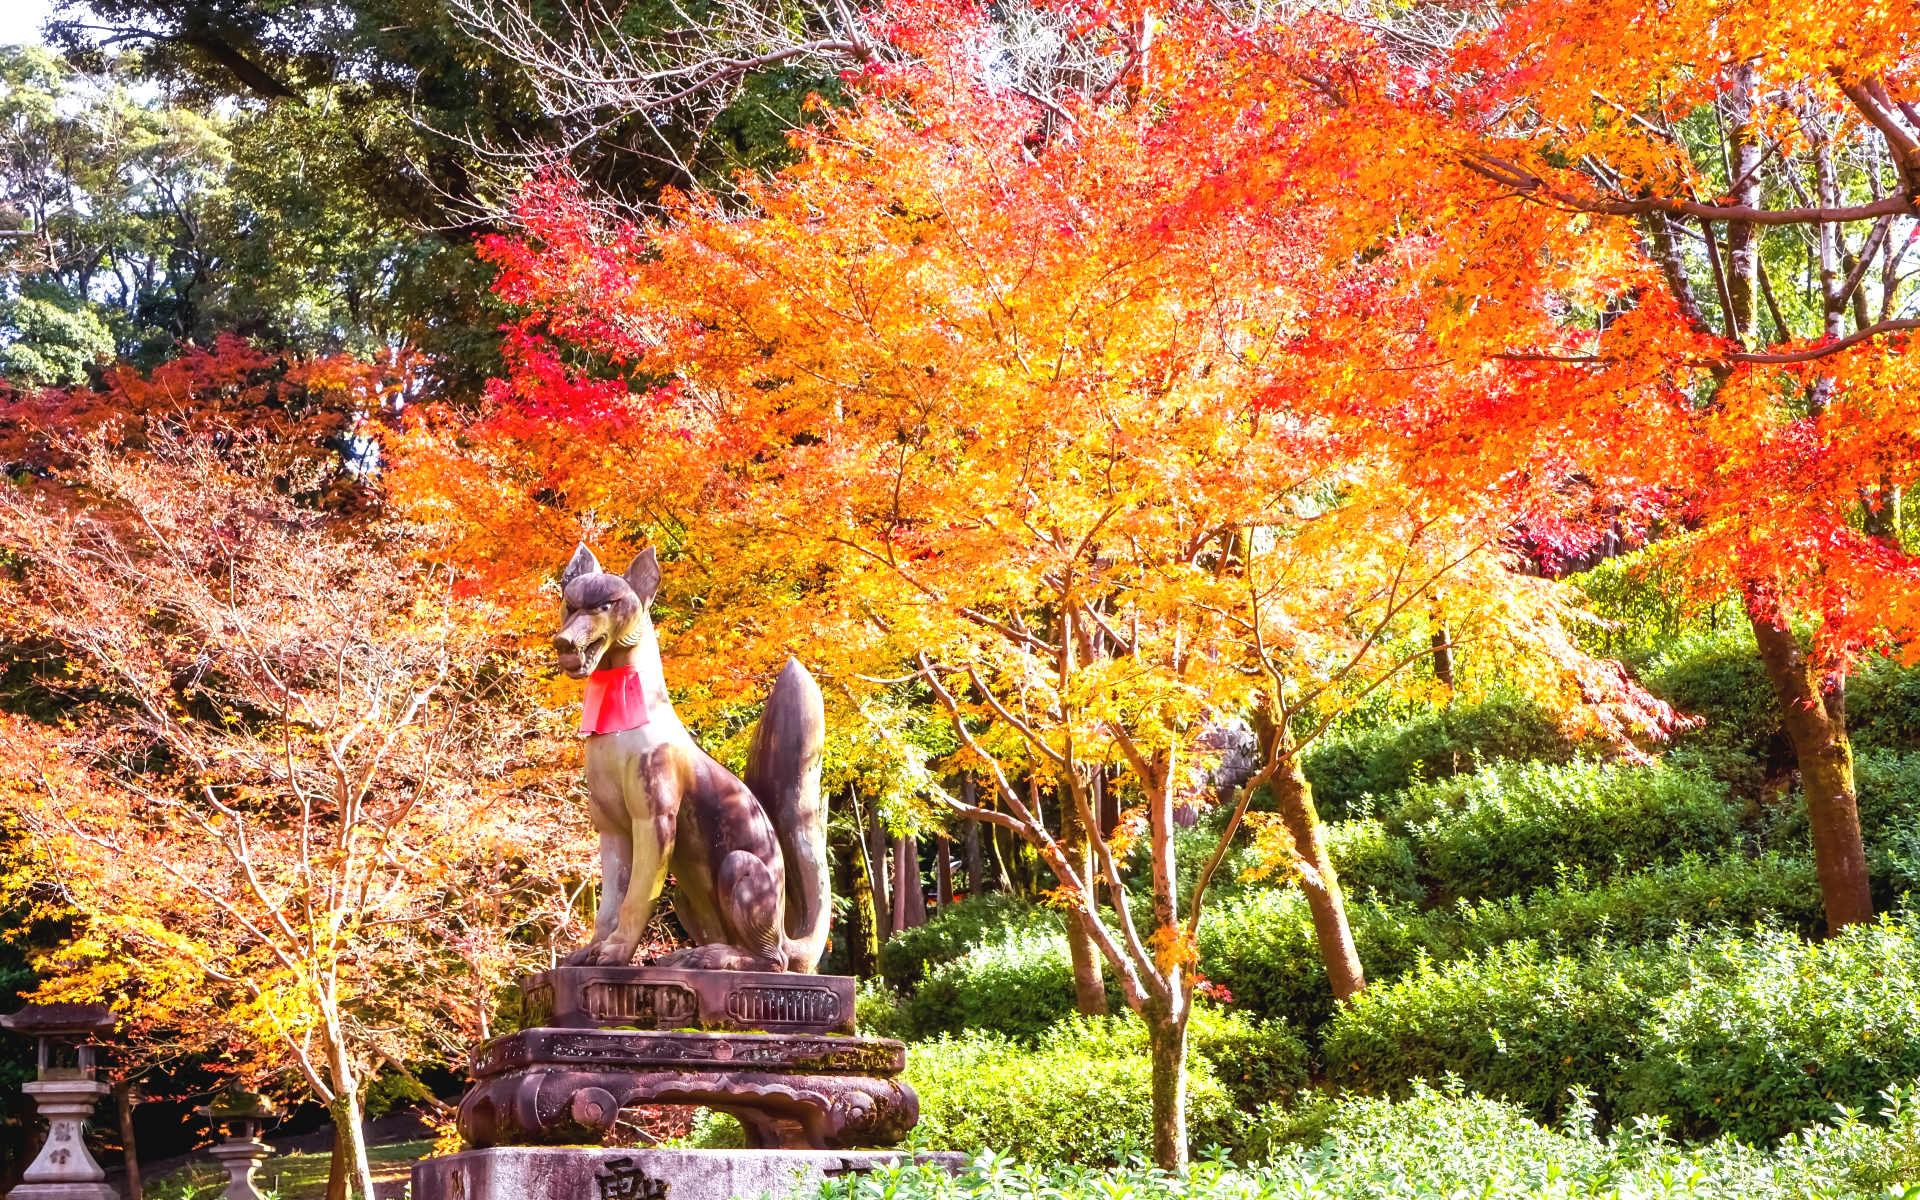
{"points": [[567, 1086], [578, 1173], [673, 998]]}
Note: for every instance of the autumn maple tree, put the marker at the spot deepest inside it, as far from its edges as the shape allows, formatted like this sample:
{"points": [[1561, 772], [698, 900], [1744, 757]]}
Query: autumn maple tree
{"points": [[291, 805], [991, 399], [1655, 264]]}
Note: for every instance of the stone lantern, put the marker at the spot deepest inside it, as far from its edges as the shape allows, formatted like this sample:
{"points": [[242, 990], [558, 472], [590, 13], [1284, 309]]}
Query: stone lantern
{"points": [[66, 1092], [239, 1114]]}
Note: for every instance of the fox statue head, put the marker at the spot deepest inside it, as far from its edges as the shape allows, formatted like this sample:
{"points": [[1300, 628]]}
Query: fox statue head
{"points": [[600, 610]]}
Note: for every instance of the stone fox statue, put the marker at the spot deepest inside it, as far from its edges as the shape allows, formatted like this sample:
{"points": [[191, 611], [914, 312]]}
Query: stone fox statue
{"points": [[749, 857]]}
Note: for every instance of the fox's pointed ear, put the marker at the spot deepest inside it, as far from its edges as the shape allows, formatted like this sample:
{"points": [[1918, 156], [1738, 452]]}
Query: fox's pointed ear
{"points": [[582, 563], [643, 576]]}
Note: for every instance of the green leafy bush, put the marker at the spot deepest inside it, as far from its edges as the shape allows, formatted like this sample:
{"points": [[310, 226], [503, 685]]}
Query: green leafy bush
{"points": [[966, 925], [1515, 1023], [1258, 1062], [1717, 676], [1644, 906], [1017, 986], [1772, 1033], [1081, 1093], [1260, 946], [1517, 826], [1442, 1145], [878, 1012], [1377, 762], [1371, 860], [1883, 707]]}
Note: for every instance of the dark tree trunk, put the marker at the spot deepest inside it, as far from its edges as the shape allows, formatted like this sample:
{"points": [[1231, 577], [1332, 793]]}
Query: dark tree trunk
{"points": [[976, 867], [1167, 1043], [339, 1169], [863, 922], [1743, 247], [1318, 881], [1442, 654], [123, 1098], [909, 899], [1089, 987], [942, 870], [1813, 712]]}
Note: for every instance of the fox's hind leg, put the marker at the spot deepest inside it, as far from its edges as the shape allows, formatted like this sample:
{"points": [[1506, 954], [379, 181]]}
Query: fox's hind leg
{"points": [[750, 904]]}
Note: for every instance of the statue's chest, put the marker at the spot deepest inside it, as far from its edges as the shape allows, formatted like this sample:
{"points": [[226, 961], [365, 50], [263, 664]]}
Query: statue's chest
{"points": [[615, 758]]}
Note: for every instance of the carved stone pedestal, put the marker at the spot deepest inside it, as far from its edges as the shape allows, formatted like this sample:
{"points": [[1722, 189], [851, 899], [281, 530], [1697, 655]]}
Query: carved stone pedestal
{"points": [[671, 998], [579, 1173], [64, 1170], [567, 1086], [241, 1157]]}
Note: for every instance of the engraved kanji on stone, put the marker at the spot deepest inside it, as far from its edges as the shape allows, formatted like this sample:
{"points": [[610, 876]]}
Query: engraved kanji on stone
{"points": [[622, 1180]]}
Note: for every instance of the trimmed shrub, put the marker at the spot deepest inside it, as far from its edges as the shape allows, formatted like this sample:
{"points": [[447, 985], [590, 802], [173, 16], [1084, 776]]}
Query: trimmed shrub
{"points": [[1258, 1062], [1261, 947], [1369, 859], [1718, 677], [1516, 827], [961, 927], [1441, 1145], [1081, 1093], [1515, 1023], [1646, 906], [1377, 762], [1016, 987], [1772, 1033], [1883, 707]]}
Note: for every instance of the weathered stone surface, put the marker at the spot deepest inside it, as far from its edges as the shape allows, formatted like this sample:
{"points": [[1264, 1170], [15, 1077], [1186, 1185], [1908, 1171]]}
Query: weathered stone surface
{"points": [[564, 1105], [598, 1049], [577, 1173], [680, 998], [64, 1170]]}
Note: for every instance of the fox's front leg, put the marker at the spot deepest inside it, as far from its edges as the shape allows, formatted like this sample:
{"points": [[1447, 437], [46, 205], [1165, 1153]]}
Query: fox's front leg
{"points": [[607, 809], [662, 779]]}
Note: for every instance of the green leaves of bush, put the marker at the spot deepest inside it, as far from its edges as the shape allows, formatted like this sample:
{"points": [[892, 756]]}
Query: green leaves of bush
{"points": [[1515, 827], [1750, 1035]]}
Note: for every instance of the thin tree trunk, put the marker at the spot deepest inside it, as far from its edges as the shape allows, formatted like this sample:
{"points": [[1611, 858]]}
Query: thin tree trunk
{"points": [[123, 1100], [909, 899], [1089, 987], [863, 922], [1002, 881], [878, 877], [1318, 880], [1816, 724], [1743, 246], [976, 865], [1167, 1044], [346, 1114], [337, 1164], [1442, 654]]}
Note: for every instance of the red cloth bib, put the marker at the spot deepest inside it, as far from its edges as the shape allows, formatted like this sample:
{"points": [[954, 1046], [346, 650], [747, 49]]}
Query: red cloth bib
{"points": [[614, 701]]}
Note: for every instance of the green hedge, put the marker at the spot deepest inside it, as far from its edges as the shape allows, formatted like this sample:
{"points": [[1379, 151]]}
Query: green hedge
{"points": [[1372, 861], [1749, 1035], [1515, 827], [908, 956], [1514, 1023], [1644, 906], [1347, 769], [1018, 987], [1080, 1093], [1439, 1145], [1772, 1033]]}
